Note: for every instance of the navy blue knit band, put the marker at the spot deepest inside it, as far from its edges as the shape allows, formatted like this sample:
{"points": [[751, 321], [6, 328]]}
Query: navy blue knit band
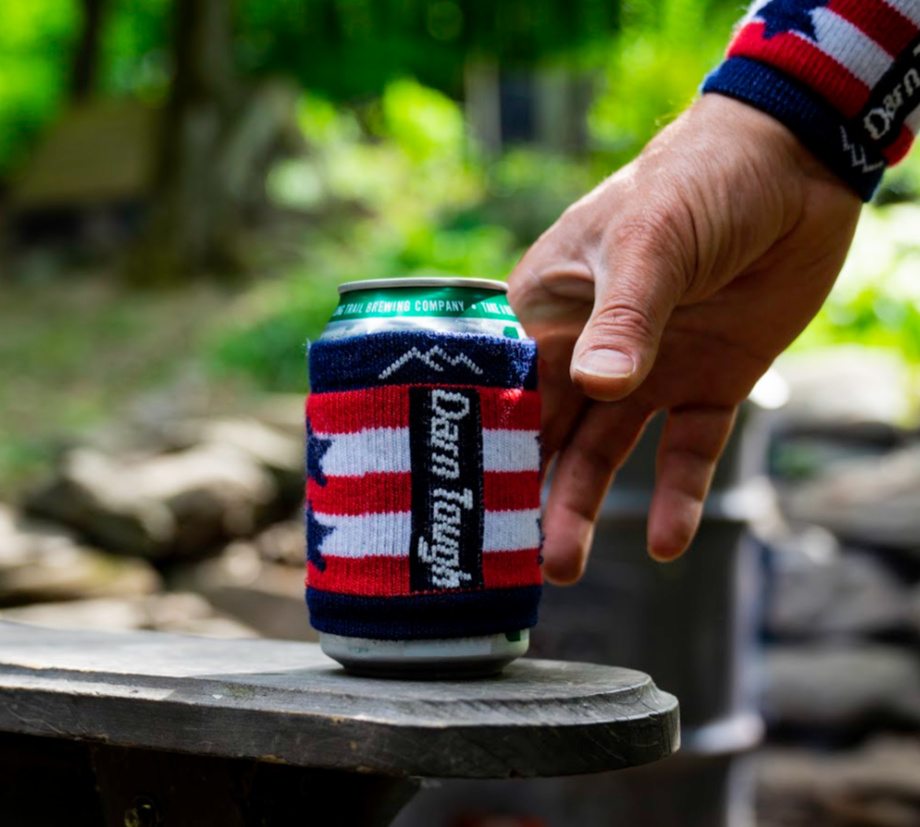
{"points": [[409, 357], [492, 611], [817, 125]]}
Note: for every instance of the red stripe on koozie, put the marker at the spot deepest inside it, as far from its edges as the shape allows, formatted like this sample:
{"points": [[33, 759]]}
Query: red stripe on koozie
{"points": [[503, 569], [511, 490], [371, 576], [370, 494], [806, 63], [389, 576], [343, 412], [390, 493], [879, 21]]}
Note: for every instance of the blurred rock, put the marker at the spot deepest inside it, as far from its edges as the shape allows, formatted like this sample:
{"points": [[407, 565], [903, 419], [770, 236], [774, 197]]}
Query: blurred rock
{"points": [[819, 590], [264, 596], [283, 543], [877, 785], [803, 451], [281, 453], [284, 412], [175, 612], [40, 563], [277, 448], [867, 502], [174, 417], [843, 688], [847, 385], [178, 504]]}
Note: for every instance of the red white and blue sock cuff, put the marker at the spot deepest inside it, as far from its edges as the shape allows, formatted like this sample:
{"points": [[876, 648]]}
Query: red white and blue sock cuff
{"points": [[844, 75], [423, 488]]}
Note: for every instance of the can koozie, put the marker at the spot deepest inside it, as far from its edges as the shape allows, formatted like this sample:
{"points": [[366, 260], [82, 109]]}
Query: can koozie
{"points": [[423, 485]]}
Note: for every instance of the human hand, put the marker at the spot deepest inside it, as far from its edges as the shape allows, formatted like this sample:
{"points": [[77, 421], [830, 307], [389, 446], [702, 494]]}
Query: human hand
{"points": [[673, 285]]}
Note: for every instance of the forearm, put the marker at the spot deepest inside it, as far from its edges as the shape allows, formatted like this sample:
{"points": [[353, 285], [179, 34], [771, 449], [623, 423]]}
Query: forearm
{"points": [[843, 75]]}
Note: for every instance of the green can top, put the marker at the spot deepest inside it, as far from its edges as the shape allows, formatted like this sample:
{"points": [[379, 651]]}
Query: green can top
{"points": [[424, 296]]}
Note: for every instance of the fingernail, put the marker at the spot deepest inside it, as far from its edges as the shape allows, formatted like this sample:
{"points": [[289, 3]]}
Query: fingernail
{"points": [[661, 556], [607, 363]]}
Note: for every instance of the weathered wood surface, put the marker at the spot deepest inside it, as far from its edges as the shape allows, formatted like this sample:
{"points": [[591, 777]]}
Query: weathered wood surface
{"points": [[285, 702]]}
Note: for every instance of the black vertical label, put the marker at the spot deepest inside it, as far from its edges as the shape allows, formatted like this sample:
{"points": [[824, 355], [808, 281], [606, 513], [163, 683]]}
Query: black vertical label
{"points": [[445, 440]]}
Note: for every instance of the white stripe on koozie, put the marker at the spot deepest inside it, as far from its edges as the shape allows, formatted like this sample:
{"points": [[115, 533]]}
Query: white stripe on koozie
{"points": [[850, 46], [390, 535], [511, 530], [386, 450], [510, 451], [386, 535], [383, 450]]}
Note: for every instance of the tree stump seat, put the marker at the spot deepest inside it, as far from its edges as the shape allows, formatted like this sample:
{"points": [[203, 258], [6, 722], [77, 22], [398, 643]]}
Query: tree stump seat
{"points": [[146, 728]]}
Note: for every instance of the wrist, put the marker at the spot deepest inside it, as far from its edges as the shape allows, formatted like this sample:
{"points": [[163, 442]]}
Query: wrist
{"points": [[817, 125], [755, 127]]}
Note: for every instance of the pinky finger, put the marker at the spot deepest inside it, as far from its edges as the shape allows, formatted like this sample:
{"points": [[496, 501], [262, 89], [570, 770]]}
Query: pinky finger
{"points": [[690, 447]]}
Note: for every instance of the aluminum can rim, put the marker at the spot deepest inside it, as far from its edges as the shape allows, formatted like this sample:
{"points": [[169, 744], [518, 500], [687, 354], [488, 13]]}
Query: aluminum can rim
{"points": [[423, 281]]}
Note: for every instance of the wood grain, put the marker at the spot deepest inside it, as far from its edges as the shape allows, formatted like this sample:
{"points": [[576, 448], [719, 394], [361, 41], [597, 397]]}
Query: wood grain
{"points": [[287, 703]]}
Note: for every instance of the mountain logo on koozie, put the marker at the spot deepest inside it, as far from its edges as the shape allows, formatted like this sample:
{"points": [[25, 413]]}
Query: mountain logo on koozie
{"points": [[435, 358]]}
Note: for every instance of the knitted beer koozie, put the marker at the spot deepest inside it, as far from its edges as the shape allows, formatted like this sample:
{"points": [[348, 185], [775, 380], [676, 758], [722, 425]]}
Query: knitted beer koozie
{"points": [[423, 489]]}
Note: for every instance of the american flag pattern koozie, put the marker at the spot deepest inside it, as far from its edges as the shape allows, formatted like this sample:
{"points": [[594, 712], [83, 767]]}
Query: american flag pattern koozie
{"points": [[423, 485]]}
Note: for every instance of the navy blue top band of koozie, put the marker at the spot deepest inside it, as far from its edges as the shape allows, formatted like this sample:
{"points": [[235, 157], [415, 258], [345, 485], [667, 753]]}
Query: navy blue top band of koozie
{"points": [[420, 357]]}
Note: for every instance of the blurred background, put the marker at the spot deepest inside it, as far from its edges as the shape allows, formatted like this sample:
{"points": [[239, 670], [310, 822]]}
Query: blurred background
{"points": [[182, 185]]}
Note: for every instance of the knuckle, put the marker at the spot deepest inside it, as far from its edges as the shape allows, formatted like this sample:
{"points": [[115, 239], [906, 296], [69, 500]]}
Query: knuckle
{"points": [[621, 319], [690, 472], [595, 460], [649, 229], [664, 234]]}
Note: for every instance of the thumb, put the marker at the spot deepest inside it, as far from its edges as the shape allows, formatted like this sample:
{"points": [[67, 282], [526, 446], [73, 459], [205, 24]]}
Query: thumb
{"points": [[642, 283]]}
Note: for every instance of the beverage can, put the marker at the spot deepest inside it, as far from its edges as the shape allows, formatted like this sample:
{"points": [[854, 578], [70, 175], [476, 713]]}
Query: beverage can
{"points": [[423, 479]]}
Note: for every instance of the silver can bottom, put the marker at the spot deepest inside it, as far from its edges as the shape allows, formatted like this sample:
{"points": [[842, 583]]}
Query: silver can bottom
{"points": [[465, 657]]}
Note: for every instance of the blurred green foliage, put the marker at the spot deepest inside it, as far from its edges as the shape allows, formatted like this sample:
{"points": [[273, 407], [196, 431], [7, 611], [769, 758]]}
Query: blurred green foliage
{"points": [[350, 50], [37, 45], [876, 301], [654, 69], [36, 38], [902, 182], [379, 41], [134, 57], [343, 49]]}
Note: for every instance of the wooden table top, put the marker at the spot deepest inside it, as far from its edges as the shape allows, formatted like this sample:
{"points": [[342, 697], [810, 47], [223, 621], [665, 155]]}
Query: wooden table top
{"points": [[286, 702]]}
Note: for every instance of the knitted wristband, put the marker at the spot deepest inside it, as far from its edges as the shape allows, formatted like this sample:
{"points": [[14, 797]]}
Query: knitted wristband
{"points": [[843, 75], [423, 488]]}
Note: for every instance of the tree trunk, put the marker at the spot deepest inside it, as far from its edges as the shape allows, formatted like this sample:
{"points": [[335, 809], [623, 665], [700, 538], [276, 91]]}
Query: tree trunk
{"points": [[86, 59], [194, 219]]}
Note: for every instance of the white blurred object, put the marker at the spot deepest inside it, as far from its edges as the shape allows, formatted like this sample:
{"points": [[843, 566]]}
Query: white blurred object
{"points": [[847, 384]]}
